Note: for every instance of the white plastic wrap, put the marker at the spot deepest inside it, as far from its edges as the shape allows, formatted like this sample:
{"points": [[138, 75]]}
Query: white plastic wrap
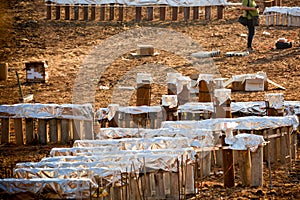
{"points": [[222, 95], [172, 77], [170, 101], [243, 141], [294, 11], [147, 2], [143, 78], [183, 81], [275, 100]]}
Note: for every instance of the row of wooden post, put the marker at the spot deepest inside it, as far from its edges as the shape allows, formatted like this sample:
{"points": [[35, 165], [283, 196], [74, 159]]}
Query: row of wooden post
{"points": [[90, 12], [44, 131]]}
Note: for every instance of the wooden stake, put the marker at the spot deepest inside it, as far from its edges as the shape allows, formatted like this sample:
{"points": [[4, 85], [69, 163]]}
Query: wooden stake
{"points": [[18, 131], [42, 131], [67, 12], [57, 12], [257, 167], [245, 166], [138, 14], [29, 130], [65, 131], [53, 131], [5, 130], [150, 13]]}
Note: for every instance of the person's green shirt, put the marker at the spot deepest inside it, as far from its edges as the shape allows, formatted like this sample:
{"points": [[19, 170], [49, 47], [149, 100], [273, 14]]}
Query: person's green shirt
{"points": [[250, 12]]}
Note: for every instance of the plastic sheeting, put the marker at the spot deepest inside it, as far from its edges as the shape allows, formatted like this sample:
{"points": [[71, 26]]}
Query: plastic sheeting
{"points": [[147, 2], [294, 11], [243, 141], [53, 188], [243, 123], [47, 111]]}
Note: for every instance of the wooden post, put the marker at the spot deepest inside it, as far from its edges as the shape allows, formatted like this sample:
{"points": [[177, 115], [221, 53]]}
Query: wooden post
{"points": [[93, 12], [183, 95], [5, 130], [53, 131], [220, 12], [29, 130], [88, 129], [3, 71], [42, 131], [228, 169], [114, 121], [67, 12], [121, 12], [18, 131], [162, 13], [283, 146], [187, 13], [112, 11], [143, 94], [76, 129], [85, 12], [245, 166], [205, 93], [159, 182], [257, 167], [65, 131], [174, 13], [138, 14], [102, 12], [76, 12], [195, 12], [150, 13], [48, 10], [127, 120], [57, 12], [208, 13]]}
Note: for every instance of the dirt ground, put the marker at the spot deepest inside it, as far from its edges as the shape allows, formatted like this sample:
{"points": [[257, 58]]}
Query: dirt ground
{"points": [[25, 36]]}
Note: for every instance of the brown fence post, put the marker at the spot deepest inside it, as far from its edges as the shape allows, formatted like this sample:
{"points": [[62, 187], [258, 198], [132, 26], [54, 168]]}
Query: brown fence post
{"points": [[53, 131], [85, 12], [150, 13], [257, 167], [65, 131], [162, 13], [208, 13], [220, 12], [5, 130], [187, 13], [102, 12], [57, 12], [121, 12], [67, 12], [18, 131], [42, 131], [76, 12], [195, 12], [174, 13], [29, 130], [48, 10], [112, 11], [3, 71], [93, 12], [76, 129], [138, 14]]}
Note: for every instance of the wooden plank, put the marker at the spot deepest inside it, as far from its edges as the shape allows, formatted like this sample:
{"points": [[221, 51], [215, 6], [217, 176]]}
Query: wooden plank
{"points": [[57, 12], [65, 131], [85, 12], [102, 12], [93, 12], [245, 166], [18, 131], [143, 94], [150, 13], [42, 131], [208, 13], [174, 180], [186, 13], [121, 12], [48, 10], [111, 11], [174, 13], [5, 130], [138, 14], [162, 13], [53, 131], [76, 12], [195, 12], [88, 129], [257, 167], [76, 124], [220, 12], [29, 130], [67, 12], [159, 182]]}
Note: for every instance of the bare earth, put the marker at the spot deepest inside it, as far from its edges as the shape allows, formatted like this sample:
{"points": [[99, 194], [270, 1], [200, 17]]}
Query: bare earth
{"points": [[25, 35]]}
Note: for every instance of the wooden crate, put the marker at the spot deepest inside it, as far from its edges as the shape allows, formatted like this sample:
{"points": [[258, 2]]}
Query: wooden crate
{"points": [[36, 72]]}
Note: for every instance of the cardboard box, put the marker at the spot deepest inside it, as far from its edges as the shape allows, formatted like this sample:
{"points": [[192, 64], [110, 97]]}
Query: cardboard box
{"points": [[36, 72], [256, 84]]}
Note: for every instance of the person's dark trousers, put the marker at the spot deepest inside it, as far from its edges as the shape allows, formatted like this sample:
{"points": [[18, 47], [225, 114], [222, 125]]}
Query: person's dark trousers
{"points": [[251, 32]]}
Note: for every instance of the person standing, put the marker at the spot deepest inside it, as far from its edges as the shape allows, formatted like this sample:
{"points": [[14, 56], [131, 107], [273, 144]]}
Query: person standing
{"points": [[250, 10]]}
